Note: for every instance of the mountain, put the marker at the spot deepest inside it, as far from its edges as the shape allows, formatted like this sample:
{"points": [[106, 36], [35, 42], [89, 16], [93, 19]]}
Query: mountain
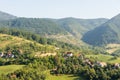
{"points": [[6, 16], [74, 26], [35, 25], [107, 33], [68, 30], [78, 27]]}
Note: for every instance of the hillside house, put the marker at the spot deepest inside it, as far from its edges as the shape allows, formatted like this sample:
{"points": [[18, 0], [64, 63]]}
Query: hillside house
{"points": [[102, 64], [1, 54], [116, 65], [8, 55], [87, 61], [69, 54]]}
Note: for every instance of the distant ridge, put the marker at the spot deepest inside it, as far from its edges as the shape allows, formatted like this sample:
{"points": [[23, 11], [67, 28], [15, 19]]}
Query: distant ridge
{"points": [[75, 26], [6, 16], [69, 28], [78, 27]]}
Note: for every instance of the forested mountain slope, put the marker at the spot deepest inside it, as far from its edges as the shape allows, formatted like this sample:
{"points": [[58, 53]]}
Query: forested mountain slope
{"points": [[39, 26], [78, 27], [66, 29], [107, 33]]}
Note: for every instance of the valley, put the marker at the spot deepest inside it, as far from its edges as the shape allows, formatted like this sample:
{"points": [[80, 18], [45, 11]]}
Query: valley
{"points": [[59, 49]]}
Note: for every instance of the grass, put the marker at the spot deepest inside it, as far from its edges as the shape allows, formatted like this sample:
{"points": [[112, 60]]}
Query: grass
{"points": [[4, 40], [67, 39], [110, 48], [62, 77], [104, 58], [12, 40], [9, 68]]}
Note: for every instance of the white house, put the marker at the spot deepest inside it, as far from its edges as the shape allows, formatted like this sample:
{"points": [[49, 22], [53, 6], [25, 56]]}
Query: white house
{"points": [[102, 64], [1, 54], [69, 54]]}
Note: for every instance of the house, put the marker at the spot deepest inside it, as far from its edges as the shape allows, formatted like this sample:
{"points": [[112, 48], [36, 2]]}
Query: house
{"points": [[116, 65], [7, 55], [101, 64], [69, 54], [10, 55], [1, 54], [87, 61]]}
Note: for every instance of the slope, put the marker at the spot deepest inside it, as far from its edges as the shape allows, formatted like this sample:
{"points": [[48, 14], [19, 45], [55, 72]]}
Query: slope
{"points": [[78, 27], [107, 33], [20, 45], [68, 30], [39, 26]]}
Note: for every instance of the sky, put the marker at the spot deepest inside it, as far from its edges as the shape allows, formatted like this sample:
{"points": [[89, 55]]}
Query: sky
{"points": [[61, 8]]}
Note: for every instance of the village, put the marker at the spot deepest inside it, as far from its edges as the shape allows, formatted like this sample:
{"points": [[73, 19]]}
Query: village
{"points": [[7, 55], [66, 55], [91, 63]]}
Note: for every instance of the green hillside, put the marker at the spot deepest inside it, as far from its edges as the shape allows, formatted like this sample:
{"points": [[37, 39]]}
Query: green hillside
{"points": [[104, 58], [78, 27], [35, 25], [107, 33], [18, 45], [74, 26], [37, 38]]}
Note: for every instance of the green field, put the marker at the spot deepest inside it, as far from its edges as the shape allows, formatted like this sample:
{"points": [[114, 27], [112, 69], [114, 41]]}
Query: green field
{"points": [[9, 68], [62, 77], [105, 58]]}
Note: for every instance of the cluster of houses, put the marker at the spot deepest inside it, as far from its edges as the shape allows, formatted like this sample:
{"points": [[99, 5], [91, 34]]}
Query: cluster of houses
{"points": [[7, 55], [87, 61], [101, 64], [66, 55], [98, 63]]}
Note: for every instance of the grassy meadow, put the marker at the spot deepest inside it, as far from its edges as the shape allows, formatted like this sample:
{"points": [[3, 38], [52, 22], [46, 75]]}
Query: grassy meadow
{"points": [[104, 58], [9, 68], [62, 77]]}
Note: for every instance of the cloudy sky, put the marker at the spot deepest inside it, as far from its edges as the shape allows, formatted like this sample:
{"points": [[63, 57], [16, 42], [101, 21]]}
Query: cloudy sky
{"points": [[61, 8]]}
